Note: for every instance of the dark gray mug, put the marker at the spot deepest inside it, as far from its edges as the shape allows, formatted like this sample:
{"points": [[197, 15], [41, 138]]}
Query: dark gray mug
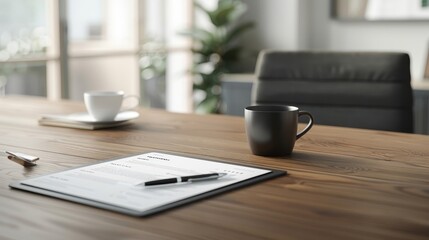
{"points": [[272, 129]]}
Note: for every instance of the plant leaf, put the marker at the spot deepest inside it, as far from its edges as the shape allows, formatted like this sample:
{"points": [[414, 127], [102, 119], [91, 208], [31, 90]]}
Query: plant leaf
{"points": [[239, 9], [201, 7], [238, 30], [198, 34], [221, 3], [232, 54], [221, 16], [209, 105]]}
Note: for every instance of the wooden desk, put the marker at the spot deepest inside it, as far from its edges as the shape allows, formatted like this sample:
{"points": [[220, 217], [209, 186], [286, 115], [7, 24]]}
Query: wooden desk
{"points": [[343, 183]]}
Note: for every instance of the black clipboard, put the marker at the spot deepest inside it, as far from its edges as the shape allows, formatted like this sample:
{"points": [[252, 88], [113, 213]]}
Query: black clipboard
{"points": [[272, 174]]}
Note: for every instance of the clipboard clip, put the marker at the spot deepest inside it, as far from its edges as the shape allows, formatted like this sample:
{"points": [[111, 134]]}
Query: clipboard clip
{"points": [[21, 158]]}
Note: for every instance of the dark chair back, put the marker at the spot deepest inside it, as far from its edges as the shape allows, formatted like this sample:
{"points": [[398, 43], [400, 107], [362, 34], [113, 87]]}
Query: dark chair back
{"points": [[352, 89]]}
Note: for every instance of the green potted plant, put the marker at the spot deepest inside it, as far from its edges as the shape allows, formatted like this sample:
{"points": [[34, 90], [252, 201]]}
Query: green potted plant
{"points": [[215, 50]]}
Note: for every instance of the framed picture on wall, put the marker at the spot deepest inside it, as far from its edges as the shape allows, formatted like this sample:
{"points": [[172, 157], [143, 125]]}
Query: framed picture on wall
{"points": [[379, 10]]}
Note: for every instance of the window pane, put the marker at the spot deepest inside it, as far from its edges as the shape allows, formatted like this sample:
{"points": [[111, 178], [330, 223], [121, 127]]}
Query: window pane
{"points": [[165, 57], [153, 63], [25, 78], [103, 46], [85, 20], [101, 25], [23, 30], [23, 34]]}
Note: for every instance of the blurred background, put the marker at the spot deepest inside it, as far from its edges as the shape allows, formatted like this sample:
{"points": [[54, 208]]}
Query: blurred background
{"points": [[175, 54]]}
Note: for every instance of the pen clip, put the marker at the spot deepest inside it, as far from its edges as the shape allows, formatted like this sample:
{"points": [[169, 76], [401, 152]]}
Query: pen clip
{"points": [[21, 158], [202, 179]]}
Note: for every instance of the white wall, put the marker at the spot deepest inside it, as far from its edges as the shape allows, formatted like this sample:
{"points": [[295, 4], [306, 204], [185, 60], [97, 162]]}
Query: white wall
{"points": [[306, 24], [276, 24], [405, 36]]}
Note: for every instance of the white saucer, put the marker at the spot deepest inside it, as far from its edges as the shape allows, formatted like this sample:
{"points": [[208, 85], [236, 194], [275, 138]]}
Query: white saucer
{"points": [[84, 117]]}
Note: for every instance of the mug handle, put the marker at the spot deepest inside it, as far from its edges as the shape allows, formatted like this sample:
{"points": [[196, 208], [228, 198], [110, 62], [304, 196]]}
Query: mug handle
{"points": [[309, 125], [127, 108]]}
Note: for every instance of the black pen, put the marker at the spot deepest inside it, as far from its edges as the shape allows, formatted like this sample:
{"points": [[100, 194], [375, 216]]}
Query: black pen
{"points": [[191, 178]]}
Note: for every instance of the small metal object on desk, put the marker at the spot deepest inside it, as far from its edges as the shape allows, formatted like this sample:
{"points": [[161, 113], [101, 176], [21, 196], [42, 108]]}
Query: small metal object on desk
{"points": [[21, 158]]}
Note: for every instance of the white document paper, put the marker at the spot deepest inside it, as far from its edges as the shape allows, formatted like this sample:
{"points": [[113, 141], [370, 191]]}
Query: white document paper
{"points": [[115, 182]]}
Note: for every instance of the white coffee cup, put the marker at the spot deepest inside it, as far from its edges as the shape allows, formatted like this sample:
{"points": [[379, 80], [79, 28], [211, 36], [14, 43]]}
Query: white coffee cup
{"points": [[105, 105]]}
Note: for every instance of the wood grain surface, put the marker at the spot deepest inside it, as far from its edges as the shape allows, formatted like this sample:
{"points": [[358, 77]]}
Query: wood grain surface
{"points": [[343, 183]]}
